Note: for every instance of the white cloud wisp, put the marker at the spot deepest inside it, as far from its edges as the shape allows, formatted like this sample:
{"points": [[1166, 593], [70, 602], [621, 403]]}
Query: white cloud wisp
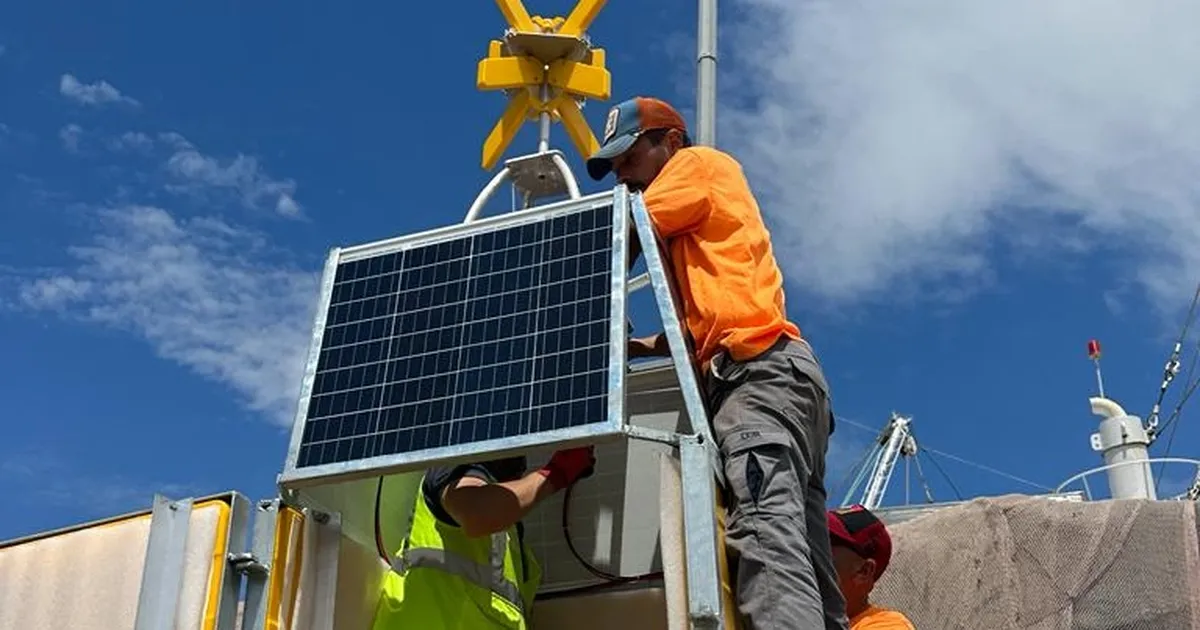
{"points": [[98, 93], [196, 173], [197, 291], [894, 143]]}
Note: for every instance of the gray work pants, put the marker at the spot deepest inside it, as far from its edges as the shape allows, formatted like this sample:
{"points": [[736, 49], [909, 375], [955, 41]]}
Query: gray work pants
{"points": [[772, 419]]}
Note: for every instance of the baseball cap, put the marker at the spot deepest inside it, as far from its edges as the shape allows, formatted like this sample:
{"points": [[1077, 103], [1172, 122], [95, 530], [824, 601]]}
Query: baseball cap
{"points": [[860, 531], [625, 123]]}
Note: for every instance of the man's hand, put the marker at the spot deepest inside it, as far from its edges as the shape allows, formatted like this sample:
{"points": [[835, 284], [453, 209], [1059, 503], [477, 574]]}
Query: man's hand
{"points": [[568, 466], [653, 346]]}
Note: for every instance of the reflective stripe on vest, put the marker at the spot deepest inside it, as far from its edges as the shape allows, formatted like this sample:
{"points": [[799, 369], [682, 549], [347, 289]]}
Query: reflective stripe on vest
{"points": [[486, 577]]}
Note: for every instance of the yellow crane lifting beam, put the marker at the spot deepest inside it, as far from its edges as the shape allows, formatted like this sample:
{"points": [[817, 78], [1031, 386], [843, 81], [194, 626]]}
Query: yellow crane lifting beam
{"points": [[548, 68]]}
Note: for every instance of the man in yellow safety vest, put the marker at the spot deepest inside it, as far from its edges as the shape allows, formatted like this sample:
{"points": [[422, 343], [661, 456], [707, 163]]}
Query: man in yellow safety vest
{"points": [[464, 564]]}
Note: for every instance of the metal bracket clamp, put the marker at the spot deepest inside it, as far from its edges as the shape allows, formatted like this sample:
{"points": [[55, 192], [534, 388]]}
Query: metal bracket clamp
{"points": [[248, 564]]}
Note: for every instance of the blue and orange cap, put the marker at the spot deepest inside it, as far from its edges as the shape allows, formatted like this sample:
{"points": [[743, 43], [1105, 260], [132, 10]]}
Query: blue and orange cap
{"points": [[625, 123]]}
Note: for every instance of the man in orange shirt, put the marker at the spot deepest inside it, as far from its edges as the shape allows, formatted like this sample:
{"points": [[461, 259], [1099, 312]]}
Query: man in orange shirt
{"points": [[766, 392], [862, 549]]}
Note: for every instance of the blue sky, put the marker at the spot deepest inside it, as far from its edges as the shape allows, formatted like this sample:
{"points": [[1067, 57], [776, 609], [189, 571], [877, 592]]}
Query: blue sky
{"points": [[953, 230]]}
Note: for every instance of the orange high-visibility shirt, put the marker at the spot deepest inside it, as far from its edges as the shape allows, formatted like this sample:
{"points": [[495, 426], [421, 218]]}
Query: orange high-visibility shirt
{"points": [[720, 251], [876, 618]]}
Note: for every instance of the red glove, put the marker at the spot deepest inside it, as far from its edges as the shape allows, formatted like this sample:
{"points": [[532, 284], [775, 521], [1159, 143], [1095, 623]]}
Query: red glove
{"points": [[567, 467]]}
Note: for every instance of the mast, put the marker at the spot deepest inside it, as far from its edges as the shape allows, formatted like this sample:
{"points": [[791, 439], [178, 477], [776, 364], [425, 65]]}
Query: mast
{"points": [[896, 440], [706, 74]]}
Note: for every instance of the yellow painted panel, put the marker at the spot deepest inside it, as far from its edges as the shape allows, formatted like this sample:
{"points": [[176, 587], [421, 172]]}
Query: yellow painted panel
{"points": [[506, 129], [216, 575], [581, 79], [728, 603], [516, 15], [289, 526], [506, 73], [581, 17], [577, 128], [596, 57]]}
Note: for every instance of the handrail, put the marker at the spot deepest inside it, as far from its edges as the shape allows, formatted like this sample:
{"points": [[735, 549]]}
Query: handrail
{"points": [[1140, 462]]}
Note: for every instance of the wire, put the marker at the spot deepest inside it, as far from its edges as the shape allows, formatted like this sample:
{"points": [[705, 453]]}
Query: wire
{"points": [[956, 458], [1171, 367], [861, 469], [994, 471], [380, 548], [939, 467], [1171, 423], [611, 579], [923, 480]]}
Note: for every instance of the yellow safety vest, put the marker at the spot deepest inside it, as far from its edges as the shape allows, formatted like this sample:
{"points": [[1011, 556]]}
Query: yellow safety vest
{"points": [[443, 580]]}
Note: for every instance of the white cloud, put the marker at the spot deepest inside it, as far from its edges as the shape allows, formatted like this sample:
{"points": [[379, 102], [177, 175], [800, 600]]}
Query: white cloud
{"points": [[198, 292], [131, 140], [98, 93], [891, 141], [70, 135], [196, 173]]}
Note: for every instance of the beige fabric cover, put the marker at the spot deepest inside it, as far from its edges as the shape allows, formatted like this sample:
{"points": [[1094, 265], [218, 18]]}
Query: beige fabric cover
{"points": [[1015, 562]]}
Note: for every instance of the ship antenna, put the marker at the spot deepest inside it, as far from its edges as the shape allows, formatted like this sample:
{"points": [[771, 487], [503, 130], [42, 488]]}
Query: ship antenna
{"points": [[1093, 347]]}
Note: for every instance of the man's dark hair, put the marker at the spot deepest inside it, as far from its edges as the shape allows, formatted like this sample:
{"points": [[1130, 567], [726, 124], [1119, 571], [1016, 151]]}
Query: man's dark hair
{"points": [[656, 136]]}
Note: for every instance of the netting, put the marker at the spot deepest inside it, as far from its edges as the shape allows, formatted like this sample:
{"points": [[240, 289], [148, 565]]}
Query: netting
{"points": [[1014, 562]]}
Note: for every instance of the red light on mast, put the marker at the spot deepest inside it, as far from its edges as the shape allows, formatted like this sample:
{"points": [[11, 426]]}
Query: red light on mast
{"points": [[1093, 349]]}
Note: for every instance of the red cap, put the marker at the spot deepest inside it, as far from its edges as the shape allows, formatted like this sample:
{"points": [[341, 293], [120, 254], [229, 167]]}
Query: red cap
{"points": [[860, 531]]}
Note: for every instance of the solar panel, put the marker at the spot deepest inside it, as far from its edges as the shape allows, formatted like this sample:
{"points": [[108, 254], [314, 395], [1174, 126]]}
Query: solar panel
{"points": [[481, 337]]}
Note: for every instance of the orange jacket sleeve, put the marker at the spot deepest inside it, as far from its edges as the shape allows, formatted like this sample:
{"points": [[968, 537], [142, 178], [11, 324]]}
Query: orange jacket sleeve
{"points": [[680, 197]]}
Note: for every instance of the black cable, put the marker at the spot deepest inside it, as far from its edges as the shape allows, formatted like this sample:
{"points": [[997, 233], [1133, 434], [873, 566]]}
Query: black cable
{"points": [[947, 477], [380, 548], [1171, 424], [1171, 368], [611, 578]]}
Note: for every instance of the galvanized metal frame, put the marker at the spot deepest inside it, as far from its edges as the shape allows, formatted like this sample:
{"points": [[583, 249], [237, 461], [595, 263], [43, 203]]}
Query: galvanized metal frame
{"points": [[293, 478], [664, 297], [699, 461], [328, 530], [700, 541], [236, 544], [162, 577], [262, 549]]}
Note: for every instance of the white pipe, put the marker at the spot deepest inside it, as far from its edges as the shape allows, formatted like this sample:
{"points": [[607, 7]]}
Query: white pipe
{"points": [[485, 194], [568, 176], [1105, 407]]}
